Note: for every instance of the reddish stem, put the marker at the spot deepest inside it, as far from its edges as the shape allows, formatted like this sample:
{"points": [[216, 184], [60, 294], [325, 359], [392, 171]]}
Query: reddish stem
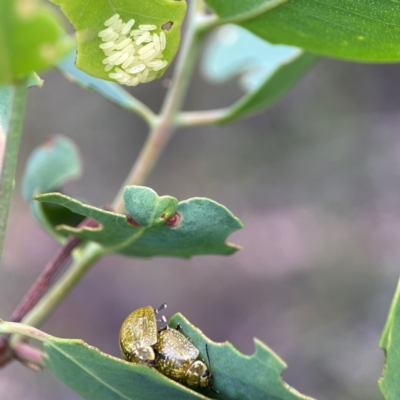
{"points": [[29, 356], [44, 280]]}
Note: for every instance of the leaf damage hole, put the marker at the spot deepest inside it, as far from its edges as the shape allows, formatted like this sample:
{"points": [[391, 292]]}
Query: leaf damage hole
{"points": [[174, 221], [131, 221], [167, 26]]}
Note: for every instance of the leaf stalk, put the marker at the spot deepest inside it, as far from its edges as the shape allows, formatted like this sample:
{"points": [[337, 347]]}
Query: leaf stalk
{"points": [[165, 125], [198, 118], [50, 301]]}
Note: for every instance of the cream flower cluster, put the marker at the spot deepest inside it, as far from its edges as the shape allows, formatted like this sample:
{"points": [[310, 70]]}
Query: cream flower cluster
{"points": [[133, 56]]}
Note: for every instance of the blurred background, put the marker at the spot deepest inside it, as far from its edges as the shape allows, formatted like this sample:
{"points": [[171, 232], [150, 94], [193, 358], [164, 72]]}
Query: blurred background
{"points": [[315, 180]]}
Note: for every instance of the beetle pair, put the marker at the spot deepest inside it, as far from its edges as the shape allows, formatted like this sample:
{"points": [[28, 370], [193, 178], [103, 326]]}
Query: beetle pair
{"points": [[167, 349]]}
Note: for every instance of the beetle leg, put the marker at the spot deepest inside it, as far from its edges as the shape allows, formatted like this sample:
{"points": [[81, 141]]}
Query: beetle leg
{"points": [[178, 327]]}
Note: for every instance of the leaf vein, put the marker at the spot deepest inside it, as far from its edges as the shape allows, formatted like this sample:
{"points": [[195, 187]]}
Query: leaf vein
{"points": [[88, 371], [356, 13]]}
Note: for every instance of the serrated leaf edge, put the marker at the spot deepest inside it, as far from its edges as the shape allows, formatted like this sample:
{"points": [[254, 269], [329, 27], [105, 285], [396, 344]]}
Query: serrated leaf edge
{"points": [[259, 347]]}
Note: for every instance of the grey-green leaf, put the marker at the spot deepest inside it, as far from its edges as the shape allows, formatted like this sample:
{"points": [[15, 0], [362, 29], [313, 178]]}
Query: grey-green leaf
{"points": [[48, 168], [233, 51], [389, 383], [272, 89], [98, 376], [109, 90], [237, 376], [267, 71], [349, 29], [155, 226]]}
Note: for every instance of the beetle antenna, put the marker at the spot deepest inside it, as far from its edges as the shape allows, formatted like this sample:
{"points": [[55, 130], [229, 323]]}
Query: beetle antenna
{"points": [[208, 355], [162, 307], [213, 389], [209, 363]]}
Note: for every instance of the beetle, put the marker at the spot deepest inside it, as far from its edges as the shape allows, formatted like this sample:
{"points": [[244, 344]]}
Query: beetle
{"points": [[177, 358], [138, 335]]}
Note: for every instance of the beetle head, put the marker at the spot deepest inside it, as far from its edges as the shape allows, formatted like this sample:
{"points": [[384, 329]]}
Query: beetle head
{"points": [[197, 374]]}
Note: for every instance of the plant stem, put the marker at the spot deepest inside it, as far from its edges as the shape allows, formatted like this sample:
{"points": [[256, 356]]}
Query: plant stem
{"points": [[40, 286], [28, 355], [62, 287], [143, 110], [23, 329], [12, 105], [165, 125], [196, 118], [44, 280], [23, 352]]}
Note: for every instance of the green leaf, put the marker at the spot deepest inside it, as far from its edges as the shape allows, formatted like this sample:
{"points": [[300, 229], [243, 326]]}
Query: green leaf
{"points": [[12, 108], [49, 167], [88, 19], [95, 375], [155, 226], [349, 29], [109, 90], [389, 383], [31, 38], [267, 71], [272, 89], [237, 376], [98, 376]]}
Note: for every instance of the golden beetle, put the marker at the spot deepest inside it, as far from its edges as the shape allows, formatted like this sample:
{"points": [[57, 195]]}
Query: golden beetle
{"points": [[138, 335], [168, 350], [177, 359]]}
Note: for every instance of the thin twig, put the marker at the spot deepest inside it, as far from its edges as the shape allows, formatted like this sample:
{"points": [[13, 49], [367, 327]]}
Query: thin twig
{"points": [[40, 286], [90, 253], [165, 125], [196, 118], [29, 356], [12, 138], [143, 110], [45, 278], [49, 272]]}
